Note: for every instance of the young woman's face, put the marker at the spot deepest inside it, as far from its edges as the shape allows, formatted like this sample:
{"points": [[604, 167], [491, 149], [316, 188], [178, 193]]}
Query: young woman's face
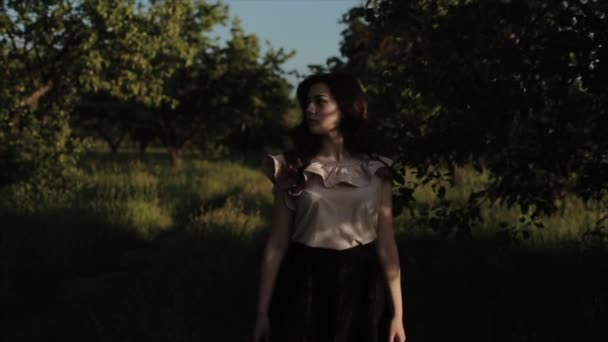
{"points": [[322, 112]]}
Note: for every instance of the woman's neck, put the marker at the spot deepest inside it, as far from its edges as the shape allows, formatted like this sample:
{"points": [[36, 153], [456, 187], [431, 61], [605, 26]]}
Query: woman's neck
{"points": [[332, 148]]}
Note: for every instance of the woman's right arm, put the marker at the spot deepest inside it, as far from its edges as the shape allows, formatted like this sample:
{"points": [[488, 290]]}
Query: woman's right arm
{"points": [[276, 246]]}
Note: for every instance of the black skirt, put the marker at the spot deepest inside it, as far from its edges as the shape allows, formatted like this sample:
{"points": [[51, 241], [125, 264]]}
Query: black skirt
{"points": [[323, 295]]}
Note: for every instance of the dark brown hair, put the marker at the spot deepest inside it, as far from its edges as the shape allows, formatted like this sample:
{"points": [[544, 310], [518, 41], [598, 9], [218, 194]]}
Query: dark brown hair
{"points": [[354, 125]]}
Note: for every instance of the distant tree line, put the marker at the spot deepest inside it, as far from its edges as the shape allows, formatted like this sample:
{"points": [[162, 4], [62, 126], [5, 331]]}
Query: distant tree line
{"points": [[123, 69]]}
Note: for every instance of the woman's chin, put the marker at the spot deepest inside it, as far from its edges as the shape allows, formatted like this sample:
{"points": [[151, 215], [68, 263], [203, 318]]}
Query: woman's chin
{"points": [[318, 130], [313, 129]]}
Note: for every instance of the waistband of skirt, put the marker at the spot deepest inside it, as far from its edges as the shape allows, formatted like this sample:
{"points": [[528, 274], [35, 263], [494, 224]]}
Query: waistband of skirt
{"points": [[299, 246]]}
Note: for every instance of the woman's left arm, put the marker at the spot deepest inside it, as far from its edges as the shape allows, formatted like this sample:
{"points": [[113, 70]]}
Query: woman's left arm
{"points": [[386, 248]]}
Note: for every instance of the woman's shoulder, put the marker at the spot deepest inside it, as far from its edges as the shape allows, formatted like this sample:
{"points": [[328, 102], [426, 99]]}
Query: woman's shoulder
{"points": [[272, 164], [379, 159], [379, 164], [386, 159]]}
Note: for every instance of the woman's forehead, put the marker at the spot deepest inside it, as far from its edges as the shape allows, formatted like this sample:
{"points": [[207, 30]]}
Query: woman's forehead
{"points": [[319, 89]]}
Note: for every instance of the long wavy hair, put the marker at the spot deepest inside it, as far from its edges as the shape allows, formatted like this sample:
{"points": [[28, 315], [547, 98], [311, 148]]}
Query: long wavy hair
{"points": [[354, 126]]}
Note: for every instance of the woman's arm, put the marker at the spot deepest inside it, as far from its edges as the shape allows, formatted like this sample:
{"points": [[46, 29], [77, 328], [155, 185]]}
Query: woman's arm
{"points": [[276, 246], [386, 247]]}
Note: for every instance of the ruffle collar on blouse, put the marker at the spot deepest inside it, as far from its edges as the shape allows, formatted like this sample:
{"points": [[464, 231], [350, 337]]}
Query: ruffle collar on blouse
{"points": [[356, 173]]}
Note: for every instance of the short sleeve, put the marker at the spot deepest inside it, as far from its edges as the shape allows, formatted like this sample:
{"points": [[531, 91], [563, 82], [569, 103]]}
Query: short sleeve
{"points": [[271, 166], [381, 169]]}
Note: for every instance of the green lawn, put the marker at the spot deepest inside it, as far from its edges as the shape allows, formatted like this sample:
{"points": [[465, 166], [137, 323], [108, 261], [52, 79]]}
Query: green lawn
{"points": [[203, 230]]}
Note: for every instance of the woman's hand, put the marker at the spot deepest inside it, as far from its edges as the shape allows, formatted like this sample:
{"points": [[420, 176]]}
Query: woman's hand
{"points": [[396, 331], [262, 329]]}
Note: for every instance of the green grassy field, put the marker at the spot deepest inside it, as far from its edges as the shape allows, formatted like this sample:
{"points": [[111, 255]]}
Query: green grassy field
{"points": [[203, 229]]}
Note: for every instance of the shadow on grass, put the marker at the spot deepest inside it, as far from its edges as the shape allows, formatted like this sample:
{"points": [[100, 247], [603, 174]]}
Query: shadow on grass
{"points": [[37, 255], [202, 286]]}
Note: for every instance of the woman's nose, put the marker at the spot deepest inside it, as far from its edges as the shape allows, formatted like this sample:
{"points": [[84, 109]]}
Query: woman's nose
{"points": [[310, 110]]}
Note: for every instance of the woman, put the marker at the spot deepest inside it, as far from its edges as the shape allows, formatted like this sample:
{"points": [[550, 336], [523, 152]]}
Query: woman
{"points": [[330, 270]]}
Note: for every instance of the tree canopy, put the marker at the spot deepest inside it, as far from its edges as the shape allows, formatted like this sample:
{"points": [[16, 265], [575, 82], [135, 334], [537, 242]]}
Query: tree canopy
{"points": [[114, 69], [515, 87]]}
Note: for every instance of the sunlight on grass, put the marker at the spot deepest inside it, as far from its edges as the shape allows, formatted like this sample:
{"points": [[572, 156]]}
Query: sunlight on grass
{"points": [[148, 216], [560, 229], [147, 196], [231, 217]]}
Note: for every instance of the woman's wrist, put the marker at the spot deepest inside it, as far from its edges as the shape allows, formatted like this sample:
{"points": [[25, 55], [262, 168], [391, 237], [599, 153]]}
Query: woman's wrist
{"points": [[262, 313]]}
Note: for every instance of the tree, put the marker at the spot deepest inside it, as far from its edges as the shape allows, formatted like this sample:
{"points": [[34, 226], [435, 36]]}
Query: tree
{"points": [[110, 118], [54, 54], [256, 87], [43, 49], [516, 87], [220, 92]]}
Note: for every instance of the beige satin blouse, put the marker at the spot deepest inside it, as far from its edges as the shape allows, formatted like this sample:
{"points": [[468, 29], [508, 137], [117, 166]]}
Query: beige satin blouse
{"points": [[338, 207]]}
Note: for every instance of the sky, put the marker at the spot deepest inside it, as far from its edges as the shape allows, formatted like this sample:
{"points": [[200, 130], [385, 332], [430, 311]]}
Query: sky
{"points": [[311, 27]]}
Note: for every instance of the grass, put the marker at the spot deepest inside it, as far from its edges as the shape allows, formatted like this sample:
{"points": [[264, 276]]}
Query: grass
{"points": [[562, 232], [213, 217]]}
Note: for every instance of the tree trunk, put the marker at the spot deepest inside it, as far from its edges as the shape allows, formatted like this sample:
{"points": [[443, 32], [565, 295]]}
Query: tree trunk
{"points": [[113, 147], [142, 147], [567, 203], [176, 157], [33, 99], [458, 172]]}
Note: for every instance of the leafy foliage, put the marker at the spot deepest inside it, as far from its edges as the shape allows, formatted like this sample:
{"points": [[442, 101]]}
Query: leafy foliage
{"points": [[515, 87], [117, 69]]}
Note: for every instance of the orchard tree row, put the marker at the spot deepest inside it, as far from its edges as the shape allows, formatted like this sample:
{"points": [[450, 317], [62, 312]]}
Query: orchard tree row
{"points": [[113, 69]]}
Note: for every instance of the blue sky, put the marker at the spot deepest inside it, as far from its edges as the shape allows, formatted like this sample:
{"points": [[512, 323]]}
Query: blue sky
{"points": [[308, 26]]}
